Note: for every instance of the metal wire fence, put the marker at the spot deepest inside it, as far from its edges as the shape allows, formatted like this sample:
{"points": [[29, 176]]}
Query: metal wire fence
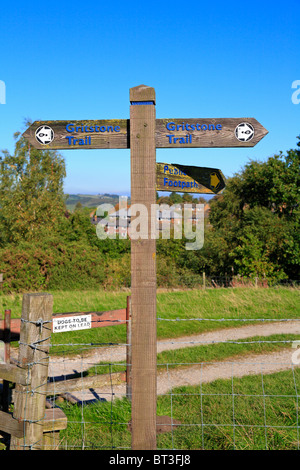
{"points": [[224, 388], [244, 396]]}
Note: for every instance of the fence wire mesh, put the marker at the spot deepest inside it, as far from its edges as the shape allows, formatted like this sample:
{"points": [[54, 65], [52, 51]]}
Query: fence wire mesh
{"points": [[239, 392], [232, 386]]}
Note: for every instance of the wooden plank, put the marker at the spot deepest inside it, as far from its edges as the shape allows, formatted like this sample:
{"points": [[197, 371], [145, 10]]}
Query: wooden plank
{"points": [[81, 135], [99, 319], [10, 425], [169, 133], [211, 132], [172, 178], [15, 374], [83, 383], [7, 339], [54, 420], [143, 271], [35, 339]]}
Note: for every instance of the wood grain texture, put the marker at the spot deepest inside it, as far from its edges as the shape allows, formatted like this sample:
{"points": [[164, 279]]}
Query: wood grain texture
{"points": [[54, 420], [83, 383], [225, 137], [142, 93], [15, 374], [143, 275], [99, 140], [35, 337]]}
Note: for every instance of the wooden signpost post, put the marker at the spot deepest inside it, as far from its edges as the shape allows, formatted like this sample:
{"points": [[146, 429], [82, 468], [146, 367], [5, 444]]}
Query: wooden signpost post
{"points": [[143, 133]]}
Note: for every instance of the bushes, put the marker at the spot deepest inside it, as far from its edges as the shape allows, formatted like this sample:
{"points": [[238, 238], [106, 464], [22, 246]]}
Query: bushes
{"points": [[24, 269], [51, 265], [118, 272], [57, 265]]}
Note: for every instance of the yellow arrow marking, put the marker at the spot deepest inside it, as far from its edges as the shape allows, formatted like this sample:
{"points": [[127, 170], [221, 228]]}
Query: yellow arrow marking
{"points": [[214, 180]]}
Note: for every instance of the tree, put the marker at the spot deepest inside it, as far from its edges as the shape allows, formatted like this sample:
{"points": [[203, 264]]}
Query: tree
{"points": [[273, 184], [78, 206], [258, 217], [32, 200]]}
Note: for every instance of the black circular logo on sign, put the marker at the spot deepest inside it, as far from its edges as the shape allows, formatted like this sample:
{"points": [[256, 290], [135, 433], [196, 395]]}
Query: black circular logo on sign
{"points": [[44, 135], [244, 132]]}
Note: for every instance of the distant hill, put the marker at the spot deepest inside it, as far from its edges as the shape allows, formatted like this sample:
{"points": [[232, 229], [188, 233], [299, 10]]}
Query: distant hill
{"points": [[91, 200]]}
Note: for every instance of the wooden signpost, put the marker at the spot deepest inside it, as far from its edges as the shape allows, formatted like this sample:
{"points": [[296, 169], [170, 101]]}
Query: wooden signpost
{"points": [[143, 133], [188, 179], [169, 133], [64, 135], [224, 132]]}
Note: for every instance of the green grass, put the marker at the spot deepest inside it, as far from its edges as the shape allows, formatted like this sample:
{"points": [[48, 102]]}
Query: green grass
{"points": [[203, 354], [279, 302], [259, 415], [220, 351], [71, 301], [249, 413], [209, 305], [237, 303]]}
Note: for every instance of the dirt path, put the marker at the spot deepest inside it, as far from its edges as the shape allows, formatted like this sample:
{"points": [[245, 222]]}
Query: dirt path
{"points": [[196, 374], [200, 374]]}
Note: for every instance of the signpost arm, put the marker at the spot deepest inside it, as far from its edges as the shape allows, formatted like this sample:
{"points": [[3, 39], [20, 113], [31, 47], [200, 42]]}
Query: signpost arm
{"points": [[143, 270]]}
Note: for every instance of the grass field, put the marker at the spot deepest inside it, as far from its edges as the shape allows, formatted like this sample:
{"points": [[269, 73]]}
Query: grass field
{"points": [[248, 413], [242, 414], [279, 302], [210, 304]]}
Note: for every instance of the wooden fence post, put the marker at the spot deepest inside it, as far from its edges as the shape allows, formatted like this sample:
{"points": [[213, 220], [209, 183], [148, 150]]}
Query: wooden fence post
{"points": [[143, 269], [128, 349], [6, 339], [30, 400]]}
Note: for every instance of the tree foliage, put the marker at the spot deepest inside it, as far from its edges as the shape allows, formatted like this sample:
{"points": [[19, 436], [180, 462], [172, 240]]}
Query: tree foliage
{"points": [[31, 192], [258, 217], [252, 230]]}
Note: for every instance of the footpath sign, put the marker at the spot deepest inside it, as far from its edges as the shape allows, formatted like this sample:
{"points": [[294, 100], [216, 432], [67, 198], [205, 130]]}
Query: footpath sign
{"points": [[224, 132], [99, 134], [188, 179], [143, 133], [169, 133]]}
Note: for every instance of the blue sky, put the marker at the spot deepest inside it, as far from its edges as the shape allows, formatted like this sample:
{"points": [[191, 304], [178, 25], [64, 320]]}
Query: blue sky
{"points": [[77, 60]]}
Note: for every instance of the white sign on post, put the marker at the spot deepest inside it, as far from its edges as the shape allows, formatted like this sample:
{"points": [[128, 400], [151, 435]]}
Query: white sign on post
{"points": [[78, 322]]}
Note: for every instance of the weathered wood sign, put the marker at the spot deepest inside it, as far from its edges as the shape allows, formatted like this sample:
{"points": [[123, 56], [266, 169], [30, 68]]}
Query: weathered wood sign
{"points": [[188, 179], [96, 134], [223, 132], [169, 133]]}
